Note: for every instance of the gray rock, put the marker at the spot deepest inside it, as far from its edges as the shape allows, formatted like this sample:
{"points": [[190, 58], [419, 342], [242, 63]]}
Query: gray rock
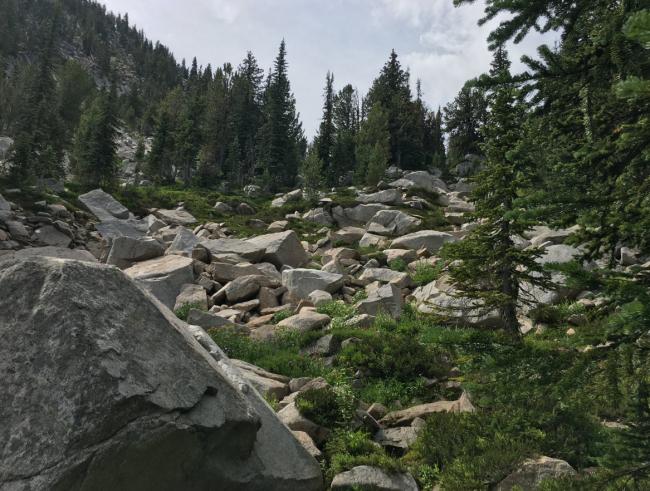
{"points": [[533, 472], [163, 277], [386, 300], [104, 206], [241, 248], [4, 204], [253, 191], [126, 250], [222, 207], [244, 288], [399, 439], [358, 215], [373, 478], [192, 295], [372, 240], [224, 272], [320, 297], [282, 249], [384, 275], [132, 397], [320, 216], [301, 282], [295, 421], [346, 235], [207, 320], [305, 321], [184, 243], [386, 197], [423, 180], [245, 209], [53, 252], [430, 240], [325, 346], [17, 230], [153, 224], [50, 236], [270, 385], [404, 417], [393, 222], [178, 217]]}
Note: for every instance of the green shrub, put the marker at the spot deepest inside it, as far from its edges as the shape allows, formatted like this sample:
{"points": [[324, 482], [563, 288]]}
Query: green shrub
{"points": [[347, 449], [280, 355], [387, 354], [388, 391], [397, 265], [337, 310], [427, 273], [184, 311], [281, 315], [320, 406]]}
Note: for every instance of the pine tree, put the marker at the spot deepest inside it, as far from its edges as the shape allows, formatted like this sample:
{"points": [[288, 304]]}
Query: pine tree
{"points": [[38, 146], [373, 147], [326, 138], [282, 143], [392, 91], [312, 174], [346, 123], [464, 118], [94, 159], [487, 267]]}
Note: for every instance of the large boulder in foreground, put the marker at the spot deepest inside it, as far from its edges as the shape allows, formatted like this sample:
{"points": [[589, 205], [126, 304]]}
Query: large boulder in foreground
{"points": [[282, 249], [105, 389]]}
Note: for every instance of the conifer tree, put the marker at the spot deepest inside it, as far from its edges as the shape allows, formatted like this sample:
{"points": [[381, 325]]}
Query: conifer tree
{"points": [[282, 143], [373, 147], [312, 174], [392, 91], [38, 146], [94, 160], [487, 266], [326, 138], [463, 120], [346, 123]]}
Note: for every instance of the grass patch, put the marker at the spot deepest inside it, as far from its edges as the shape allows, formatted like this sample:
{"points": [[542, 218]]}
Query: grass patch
{"points": [[426, 273], [184, 311]]}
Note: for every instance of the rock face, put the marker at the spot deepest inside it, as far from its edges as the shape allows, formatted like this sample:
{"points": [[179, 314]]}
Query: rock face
{"points": [[534, 471], [406, 416], [282, 249], [301, 282], [133, 400], [164, 276], [373, 478], [430, 240]]}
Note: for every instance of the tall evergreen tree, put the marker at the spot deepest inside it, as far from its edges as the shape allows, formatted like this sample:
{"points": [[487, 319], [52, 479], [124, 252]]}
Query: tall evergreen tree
{"points": [[392, 91], [282, 142], [373, 147], [346, 122], [38, 146], [94, 160], [463, 120], [487, 266], [326, 138]]}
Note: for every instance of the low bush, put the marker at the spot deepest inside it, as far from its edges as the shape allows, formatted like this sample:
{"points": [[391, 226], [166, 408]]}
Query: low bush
{"points": [[183, 312], [427, 273]]}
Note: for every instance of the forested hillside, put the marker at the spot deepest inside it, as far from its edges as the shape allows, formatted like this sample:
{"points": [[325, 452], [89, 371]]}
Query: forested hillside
{"points": [[452, 298]]}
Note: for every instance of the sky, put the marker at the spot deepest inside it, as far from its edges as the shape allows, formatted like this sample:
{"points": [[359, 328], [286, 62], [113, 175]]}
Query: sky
{"points": [[440, 44]]}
